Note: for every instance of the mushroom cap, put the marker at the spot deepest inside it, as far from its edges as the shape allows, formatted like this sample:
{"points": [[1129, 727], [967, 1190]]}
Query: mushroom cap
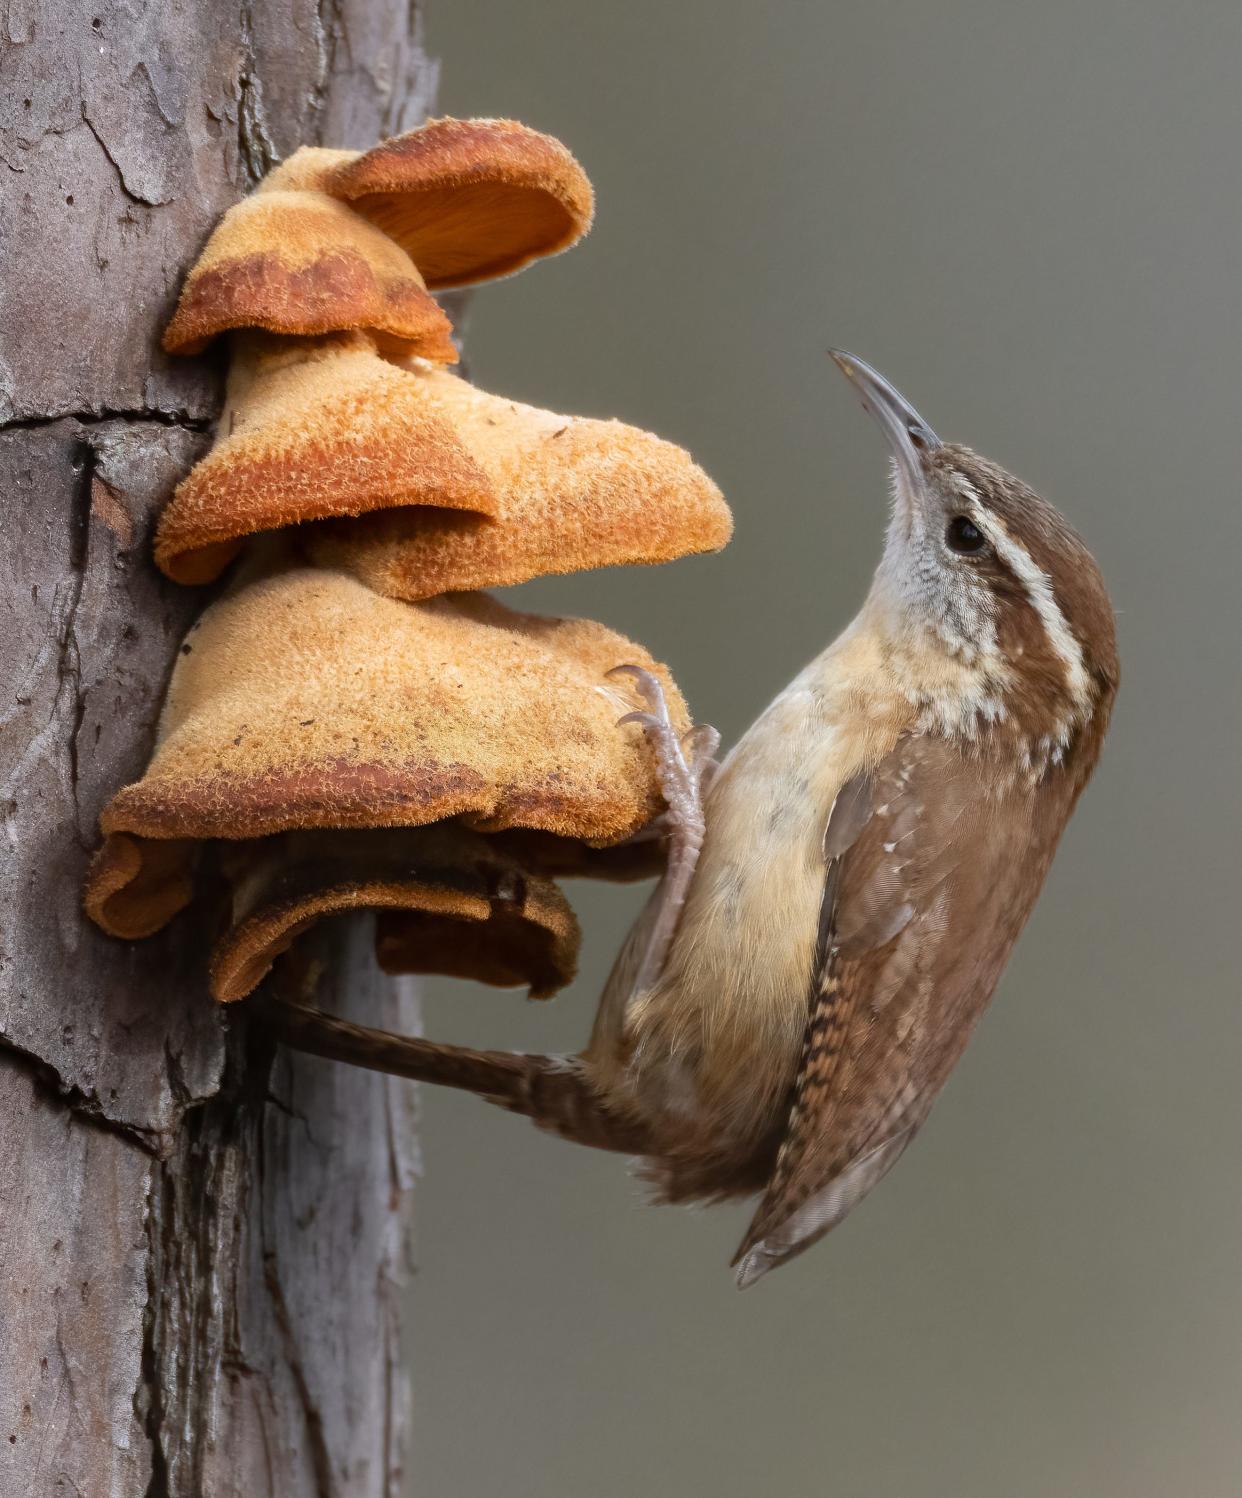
{"points": [[450, 902], [305, 700], [309, 169], [313, 428], [301, 262], [469, 200], [573, 494], [134, 886]]}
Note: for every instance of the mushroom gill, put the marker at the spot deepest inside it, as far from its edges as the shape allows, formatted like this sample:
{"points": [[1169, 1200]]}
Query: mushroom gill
{"points": [[470, 200]]}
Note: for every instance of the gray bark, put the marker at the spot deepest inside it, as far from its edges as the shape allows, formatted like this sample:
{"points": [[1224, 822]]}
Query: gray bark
{"points": [[200, 1239]]}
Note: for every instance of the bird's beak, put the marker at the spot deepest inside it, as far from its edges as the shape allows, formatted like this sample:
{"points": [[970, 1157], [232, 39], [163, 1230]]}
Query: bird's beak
{"points": [[909, 436]]}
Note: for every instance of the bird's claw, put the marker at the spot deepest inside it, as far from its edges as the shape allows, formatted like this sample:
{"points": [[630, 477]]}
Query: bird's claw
{"points": [[684, 761], [685, 764], [699, 746]]}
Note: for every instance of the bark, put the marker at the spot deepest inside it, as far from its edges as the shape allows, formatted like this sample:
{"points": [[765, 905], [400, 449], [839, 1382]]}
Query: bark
{"points": [[201, 1238]]}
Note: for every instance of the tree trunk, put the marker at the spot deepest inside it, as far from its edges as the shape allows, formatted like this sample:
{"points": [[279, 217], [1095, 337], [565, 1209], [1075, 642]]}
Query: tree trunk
{"points": [[201, 1241]]}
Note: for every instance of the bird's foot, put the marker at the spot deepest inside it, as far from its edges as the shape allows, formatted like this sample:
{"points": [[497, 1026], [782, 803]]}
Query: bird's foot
{"points": [[685, 765]]}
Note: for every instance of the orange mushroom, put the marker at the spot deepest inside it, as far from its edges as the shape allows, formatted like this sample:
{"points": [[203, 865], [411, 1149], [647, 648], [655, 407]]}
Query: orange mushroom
{"points": [[572, 493], [450, 902], [135, 886], [362, 734], [469, 200], [304, 700], [333, 240], [480, 491], [311, 428], [299, 261]]}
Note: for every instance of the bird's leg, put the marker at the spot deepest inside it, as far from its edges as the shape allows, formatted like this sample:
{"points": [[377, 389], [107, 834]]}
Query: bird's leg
{"points": [[554, 1091], [685, 765]]}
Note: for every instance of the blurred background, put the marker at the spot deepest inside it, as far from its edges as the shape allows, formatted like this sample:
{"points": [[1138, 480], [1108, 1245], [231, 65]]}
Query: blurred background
{"points": [[1029, 217]]}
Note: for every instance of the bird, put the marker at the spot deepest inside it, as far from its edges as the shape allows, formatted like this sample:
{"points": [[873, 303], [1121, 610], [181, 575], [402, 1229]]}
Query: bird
{"points": [[843, 891]]}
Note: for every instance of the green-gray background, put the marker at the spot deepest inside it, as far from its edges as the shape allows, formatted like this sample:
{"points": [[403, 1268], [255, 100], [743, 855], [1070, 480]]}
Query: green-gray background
{"points": [[1030, 217]]}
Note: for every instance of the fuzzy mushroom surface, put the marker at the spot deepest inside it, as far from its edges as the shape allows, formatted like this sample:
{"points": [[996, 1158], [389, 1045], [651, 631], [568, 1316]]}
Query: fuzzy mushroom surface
{"points": [[303, 262], [304, 700], [313, 428], [572, 494]]}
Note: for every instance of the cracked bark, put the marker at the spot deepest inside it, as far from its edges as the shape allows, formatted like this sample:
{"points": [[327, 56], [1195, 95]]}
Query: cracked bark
{"points": [[201, 1239]]}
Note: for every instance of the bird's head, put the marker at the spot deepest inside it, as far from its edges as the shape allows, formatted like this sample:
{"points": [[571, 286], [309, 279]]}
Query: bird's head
{"points": [[993, 609]]}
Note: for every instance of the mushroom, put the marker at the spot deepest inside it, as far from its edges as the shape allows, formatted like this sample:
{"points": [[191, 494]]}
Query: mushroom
{"points": [[480, 491], [362, 733], [299, 261], [313, 427], [304, 700], [450, 902], [469, 199], [573, 494], [136, 886], [332, 239]]}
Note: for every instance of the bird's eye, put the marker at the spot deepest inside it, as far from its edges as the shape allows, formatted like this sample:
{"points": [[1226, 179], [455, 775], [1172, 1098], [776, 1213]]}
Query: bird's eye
{"points": [[964, 535]]}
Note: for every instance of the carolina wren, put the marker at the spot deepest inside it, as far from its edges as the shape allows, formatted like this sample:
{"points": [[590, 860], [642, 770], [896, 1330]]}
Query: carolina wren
{"points": [[842, 894]]}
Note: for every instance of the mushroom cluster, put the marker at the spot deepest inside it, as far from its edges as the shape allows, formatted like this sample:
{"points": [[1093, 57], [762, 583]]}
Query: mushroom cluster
{"points": [[352, 724]]}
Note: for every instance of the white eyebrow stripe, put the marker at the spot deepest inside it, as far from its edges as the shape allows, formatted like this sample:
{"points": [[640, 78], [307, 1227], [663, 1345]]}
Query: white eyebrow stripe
{"points": [[1039, 592]]}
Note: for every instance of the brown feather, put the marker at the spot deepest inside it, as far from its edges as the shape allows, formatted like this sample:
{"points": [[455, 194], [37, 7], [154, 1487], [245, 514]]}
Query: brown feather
{"points": [[921, 912]]}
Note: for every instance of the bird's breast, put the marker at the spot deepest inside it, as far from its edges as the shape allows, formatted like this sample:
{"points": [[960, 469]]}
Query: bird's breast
{"points": [[716, 1043]]}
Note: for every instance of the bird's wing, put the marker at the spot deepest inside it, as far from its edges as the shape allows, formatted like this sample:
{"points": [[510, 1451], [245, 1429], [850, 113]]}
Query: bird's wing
{"points": [[918, 877]]}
